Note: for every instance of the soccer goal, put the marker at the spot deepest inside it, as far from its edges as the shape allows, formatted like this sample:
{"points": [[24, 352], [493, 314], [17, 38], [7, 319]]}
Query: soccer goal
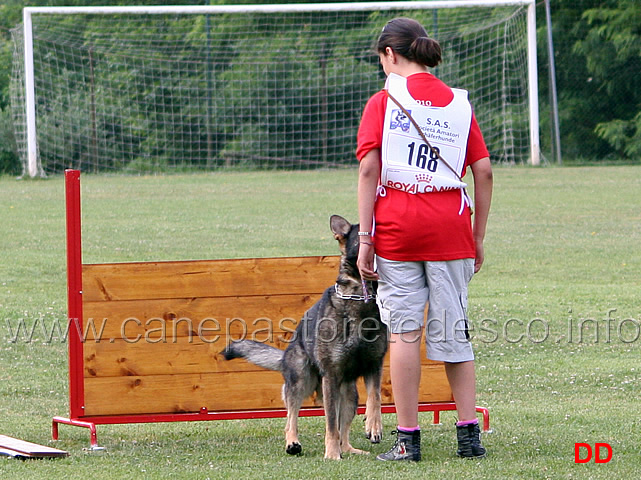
{"points": [[182, 88]]}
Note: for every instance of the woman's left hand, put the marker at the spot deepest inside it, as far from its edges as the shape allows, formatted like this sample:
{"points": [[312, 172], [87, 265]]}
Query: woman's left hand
{"points": [[480, 256], [365, 262]]}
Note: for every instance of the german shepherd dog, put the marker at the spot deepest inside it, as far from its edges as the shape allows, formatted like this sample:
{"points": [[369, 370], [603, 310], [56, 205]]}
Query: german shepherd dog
{"points": [[339, 339]]}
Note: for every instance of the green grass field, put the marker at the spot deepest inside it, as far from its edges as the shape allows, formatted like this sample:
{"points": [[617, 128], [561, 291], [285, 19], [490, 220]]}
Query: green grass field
{"points": [[556, 311]]}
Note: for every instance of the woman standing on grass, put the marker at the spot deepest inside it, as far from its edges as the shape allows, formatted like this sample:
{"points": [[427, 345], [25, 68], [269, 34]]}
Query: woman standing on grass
{"points": [[415, 218]]}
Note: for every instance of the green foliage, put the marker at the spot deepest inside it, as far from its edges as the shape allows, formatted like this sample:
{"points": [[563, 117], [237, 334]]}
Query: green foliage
{"points": [[597, 56], [612, 48], [8, 149], [297, 109], [175, 91], [228, 107], [624, 136], [9, 16], [598, 64]]}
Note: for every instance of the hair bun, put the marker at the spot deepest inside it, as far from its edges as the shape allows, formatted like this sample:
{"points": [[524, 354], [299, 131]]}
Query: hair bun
{"points": [[426, 50]]}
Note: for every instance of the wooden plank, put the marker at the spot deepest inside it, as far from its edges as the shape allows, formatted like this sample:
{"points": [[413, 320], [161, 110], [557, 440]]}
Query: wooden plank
{"points": [[182, 393], [6, 452], [220, 392], [184, 356], [208, 278], [179, 317], [19, 448]]}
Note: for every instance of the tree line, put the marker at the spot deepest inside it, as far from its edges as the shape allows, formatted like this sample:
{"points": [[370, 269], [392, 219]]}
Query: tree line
{"points": [[597, 58]]}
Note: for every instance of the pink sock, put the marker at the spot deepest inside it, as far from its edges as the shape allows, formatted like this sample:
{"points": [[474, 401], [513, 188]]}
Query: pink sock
{"points": [[409, 429], [467, 422]]}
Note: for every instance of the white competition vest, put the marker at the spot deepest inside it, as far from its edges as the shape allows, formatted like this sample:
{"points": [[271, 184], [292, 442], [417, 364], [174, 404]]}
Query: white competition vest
{"points": [[407, 162]]}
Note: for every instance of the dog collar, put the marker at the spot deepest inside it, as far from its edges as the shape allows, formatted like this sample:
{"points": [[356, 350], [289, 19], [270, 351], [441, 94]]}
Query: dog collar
{"points": [[366, 297]]}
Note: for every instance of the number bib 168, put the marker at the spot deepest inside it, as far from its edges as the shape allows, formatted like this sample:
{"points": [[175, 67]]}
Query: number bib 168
{"points": [[409, 164]]}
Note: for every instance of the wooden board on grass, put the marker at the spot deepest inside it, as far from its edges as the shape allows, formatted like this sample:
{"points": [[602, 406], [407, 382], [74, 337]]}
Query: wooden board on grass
{"points": [[14, 447]]}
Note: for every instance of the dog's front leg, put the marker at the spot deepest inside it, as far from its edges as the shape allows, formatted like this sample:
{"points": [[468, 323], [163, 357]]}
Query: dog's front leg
{"points": [[332, 434], [373, 419]]}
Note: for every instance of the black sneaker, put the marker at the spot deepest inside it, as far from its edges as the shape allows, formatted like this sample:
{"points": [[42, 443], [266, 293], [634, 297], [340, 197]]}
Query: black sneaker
{"points": [[407, 447], [469, 441]]}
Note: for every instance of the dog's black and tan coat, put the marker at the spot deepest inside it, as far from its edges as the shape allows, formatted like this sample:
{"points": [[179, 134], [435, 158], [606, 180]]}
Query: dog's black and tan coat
{"points": [[338, 340]]}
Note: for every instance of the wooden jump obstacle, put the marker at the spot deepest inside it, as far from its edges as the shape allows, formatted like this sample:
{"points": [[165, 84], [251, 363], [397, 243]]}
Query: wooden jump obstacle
{"points": [[145, 338]]}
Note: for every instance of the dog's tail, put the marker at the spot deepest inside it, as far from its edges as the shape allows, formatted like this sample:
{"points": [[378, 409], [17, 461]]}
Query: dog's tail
{"points": [[257, 353]]}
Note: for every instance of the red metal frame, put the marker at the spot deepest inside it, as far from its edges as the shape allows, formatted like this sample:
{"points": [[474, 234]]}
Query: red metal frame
{"points": [[74, 293], [76, 352]]}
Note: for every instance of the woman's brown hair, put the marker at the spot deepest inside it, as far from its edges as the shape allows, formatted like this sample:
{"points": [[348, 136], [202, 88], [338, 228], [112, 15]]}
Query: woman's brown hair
{"points": [[408, 38]]}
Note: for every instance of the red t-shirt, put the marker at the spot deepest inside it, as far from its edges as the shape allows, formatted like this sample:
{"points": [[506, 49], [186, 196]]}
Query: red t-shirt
{"points": [[420, 227]]}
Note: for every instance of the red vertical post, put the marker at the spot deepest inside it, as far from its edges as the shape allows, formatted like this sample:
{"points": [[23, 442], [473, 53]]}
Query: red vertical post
{"points": [[74, 293]]}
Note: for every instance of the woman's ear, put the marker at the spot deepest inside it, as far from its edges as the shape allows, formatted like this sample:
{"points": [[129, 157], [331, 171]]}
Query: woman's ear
{"points": [[390, 54]]}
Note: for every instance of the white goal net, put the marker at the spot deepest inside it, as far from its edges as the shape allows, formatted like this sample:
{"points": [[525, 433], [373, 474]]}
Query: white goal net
{"points": [[169, 90]]}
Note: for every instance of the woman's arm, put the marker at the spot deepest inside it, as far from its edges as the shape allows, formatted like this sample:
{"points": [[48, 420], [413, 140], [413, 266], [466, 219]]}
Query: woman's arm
{"points": [[483, 181], [369, 173]]}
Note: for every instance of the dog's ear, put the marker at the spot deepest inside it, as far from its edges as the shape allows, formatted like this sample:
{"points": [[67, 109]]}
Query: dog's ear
{"points": [[340, 227]]}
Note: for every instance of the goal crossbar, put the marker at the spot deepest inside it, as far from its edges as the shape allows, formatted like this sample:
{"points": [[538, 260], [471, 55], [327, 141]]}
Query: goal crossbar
{"points": [[33, 168], [272, 8]]}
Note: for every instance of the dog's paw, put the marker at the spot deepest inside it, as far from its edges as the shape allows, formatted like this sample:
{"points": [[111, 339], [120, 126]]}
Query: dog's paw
{"points": [[333, 456], [374, 437], [374, 431], [294, 448]]}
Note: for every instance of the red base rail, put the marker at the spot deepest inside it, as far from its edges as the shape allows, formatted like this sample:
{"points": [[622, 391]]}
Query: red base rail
{"points": [[205, 415]]}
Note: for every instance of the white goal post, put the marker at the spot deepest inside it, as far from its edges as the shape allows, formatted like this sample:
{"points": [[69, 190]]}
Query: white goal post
{"points": [[33, 167]]}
